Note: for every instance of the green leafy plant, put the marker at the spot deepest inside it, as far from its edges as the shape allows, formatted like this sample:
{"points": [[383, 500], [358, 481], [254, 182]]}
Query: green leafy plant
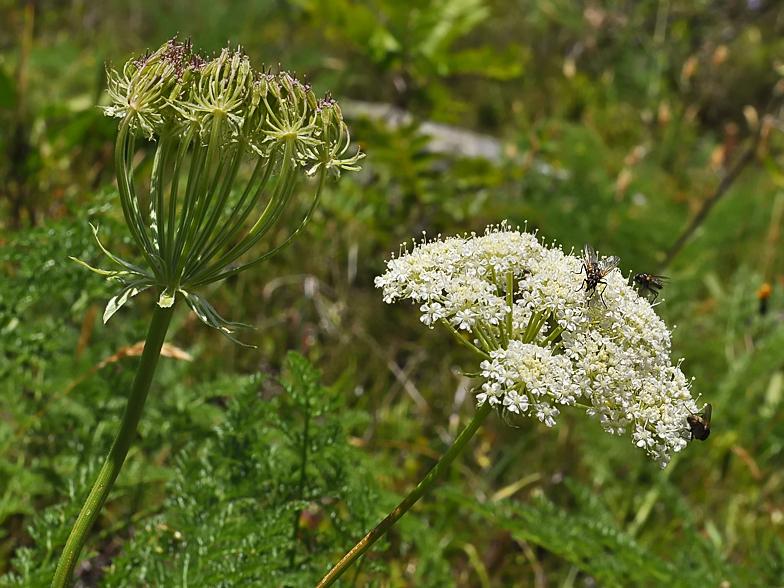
{"points": [[269, 495], [418, 47], [266, 498], [207, 117]]}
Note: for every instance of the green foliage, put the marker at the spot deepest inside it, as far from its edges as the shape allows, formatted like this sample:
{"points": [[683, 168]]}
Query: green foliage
{"points": [[272, 494], [44, 294], [615, 121], [416, 47], [266, 497], [49, 530], [45, 302], [587, 536]]}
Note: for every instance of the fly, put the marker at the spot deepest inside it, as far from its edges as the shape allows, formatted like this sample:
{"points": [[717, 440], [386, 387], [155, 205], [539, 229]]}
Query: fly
{"points": [[650, 284], [595, 270], [700, 423]]}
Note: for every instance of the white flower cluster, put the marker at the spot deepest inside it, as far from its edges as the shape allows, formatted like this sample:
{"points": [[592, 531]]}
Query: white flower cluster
{"points": [[545, 340]]}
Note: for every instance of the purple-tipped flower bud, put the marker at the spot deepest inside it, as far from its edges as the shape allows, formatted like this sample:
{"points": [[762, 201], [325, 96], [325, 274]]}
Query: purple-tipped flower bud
{"points": [[212, 115]]}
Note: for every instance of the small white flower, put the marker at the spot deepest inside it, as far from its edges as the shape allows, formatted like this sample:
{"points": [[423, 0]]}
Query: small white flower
{"points": [[547, 414], [516, 403], [431, 313], [464, 320], [544, 342]]}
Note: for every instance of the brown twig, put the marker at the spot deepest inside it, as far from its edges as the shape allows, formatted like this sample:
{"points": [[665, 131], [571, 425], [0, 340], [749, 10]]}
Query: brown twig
{"points": [[722, 188]]}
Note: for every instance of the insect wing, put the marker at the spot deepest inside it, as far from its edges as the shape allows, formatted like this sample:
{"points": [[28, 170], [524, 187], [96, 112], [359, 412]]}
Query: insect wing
{"points": [[609, 264], [590, 255], [706, 414], [656, 281]]}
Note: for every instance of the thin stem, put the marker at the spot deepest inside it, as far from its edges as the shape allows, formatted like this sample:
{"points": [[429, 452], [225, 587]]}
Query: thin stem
{"points": [[529, 336], [198, 166], [463, 341], [553, 336], [197, 200], [233, 162], [182, 151], [301, 489], [486, 341], [534, 324], [411, 499], [127, 187], [156, 334], [123, 155], [212, 274], [510, 303], [157, 188], [708, 204], [488, 337], [240, 212]]}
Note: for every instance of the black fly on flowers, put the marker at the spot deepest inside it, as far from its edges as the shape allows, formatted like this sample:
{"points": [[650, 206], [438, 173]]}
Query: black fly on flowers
{"points": [[595, 270], [649, 284]]}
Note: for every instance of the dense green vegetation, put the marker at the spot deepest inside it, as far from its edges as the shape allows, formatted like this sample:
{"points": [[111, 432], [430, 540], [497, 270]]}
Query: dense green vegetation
{"points": [[615, 123]]}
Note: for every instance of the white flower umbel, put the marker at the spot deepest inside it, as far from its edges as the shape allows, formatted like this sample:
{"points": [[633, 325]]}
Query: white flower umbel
{"points": [[546, 342]]}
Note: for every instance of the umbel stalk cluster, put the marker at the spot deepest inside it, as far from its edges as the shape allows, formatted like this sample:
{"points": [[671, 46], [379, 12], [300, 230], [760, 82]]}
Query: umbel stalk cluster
{"points": [[210, 119], [230, 144]]}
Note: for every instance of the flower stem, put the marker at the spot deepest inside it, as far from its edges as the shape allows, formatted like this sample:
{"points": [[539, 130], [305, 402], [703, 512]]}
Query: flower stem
{"points": [[410, 500], [159, 325], [463, 341]]}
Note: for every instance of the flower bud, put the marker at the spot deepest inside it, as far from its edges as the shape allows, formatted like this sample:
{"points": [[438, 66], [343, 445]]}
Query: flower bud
{"points": [[211, 116]]}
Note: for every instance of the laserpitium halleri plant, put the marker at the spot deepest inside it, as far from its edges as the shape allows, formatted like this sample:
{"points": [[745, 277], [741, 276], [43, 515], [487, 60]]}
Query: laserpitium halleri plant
{"points": [[544, 343], [209, 118]]}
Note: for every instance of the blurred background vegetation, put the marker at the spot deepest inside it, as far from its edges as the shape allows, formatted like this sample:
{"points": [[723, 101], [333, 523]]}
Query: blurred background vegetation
{"points": [[607, 121]]}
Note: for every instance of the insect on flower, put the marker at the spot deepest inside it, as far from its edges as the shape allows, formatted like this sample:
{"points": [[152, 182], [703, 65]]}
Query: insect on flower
{"points": [[650, 284], [595, 270], [700, 423]]}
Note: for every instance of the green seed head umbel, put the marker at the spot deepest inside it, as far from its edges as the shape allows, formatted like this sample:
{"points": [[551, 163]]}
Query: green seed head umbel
{"points": [[231, 142]]}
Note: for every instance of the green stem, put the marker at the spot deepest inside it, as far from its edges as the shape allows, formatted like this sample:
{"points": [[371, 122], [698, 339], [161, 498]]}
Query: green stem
{"points": [[510, 303], [301, 489], [409, 501], [159, 325], [463, 341]]}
